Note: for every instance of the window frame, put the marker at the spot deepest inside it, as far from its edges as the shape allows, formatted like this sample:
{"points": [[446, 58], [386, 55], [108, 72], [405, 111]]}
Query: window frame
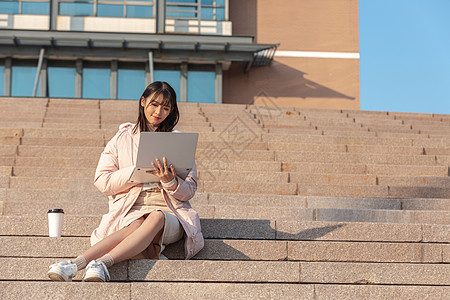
{"points": [[124, 3]]}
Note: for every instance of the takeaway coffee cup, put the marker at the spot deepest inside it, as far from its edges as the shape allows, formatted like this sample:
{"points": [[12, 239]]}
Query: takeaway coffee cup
{"points": [[55, 222]]}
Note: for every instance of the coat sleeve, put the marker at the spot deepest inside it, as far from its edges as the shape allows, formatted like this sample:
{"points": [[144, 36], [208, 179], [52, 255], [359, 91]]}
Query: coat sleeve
{"points": [[186, 188], [109, 178]]}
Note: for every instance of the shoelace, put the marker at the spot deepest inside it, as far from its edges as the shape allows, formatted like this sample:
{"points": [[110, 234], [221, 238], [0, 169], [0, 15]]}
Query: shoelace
{"points": [[61, 263], [98, 264]]}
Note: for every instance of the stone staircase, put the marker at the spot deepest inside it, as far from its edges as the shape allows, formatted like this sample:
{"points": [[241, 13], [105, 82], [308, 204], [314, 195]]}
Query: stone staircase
{"points": [[294, 203]]}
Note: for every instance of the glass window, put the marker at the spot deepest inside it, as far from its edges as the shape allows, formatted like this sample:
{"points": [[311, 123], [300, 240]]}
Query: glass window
{"points": [[76, 9], [105, 10], [23, 81], [61, 82], [96, 83], [7, 7], [182, 12], [35, 8], [207, 13], [207, 2], [2, 80], [172, 77], [139, 11], [220, 14], [131, 83], [201, 86]]}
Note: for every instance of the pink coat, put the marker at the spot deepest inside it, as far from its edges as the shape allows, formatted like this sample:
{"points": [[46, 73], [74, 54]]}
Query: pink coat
{"points": [[111, 178]]}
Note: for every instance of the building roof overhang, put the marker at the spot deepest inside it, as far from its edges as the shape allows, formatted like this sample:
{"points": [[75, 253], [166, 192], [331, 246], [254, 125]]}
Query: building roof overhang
{"points": [[134, 46]]}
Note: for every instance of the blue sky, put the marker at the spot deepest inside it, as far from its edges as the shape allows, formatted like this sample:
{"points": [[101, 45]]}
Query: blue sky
{"points": [[405, 55]]}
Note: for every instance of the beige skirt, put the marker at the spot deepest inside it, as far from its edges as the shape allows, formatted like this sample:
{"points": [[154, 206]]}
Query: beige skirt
{"points": [[147, 202]]}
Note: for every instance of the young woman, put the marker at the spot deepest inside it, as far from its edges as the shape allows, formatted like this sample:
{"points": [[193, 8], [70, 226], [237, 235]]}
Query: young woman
{"points": [[142, 218]]}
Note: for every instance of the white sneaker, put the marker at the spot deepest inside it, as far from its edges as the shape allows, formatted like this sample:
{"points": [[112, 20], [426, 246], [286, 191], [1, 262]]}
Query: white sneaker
{"points": [[96, 271], [63, 271]]}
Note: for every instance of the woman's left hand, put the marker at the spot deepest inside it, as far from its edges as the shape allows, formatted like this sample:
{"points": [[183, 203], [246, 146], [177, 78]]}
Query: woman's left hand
{"points": [[164, 173]]}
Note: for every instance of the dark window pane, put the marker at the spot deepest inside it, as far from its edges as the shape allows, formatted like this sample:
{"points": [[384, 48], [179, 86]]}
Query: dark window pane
{"points": [[207, 13], [172, 77], [135, 11], [220, 14], [9, 7], [201, 87], [35, 8], [131, 84], [96, 83], [76, 9], [23, 81], [105, 10], [61, 82]]}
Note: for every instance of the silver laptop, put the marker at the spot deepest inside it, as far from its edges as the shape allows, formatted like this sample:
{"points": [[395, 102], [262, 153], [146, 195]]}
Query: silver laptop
{"points": [[178, 148]]}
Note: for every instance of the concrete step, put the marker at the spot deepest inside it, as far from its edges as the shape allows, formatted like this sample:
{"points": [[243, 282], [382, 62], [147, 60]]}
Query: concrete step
{"points": [[348, 140], [58, 142], [9, 140], [8, 150], [374, 149], [11, 132], [7, 160], [4, 181], [330, 214], [82, 119], [65, 133], [224, 164], [246, 250], [244, 176], [414, 181], [247, 271], [334, 179], [22, 171], [307, 147], [405, 170], [342, 189], [296, 201], [214, 186], [56, 162], [70, 126], [5, 170], [52, 183], [254, 145], [85, 202], [321, 168], [9, 116], [74, 202], [258, 211], [54, 151], [191, 290], [355, 158], [251, 229], [373, 191]]}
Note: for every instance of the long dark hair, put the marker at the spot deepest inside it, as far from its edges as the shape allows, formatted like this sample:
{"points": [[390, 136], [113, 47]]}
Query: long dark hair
{"points": [[169, 96]]}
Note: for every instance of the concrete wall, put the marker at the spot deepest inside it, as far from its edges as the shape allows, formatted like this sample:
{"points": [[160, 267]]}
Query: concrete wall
{"points": [[324, 27]]}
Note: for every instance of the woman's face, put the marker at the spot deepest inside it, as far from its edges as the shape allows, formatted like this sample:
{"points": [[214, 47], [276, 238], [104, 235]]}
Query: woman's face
{"points": [[155, 112]]}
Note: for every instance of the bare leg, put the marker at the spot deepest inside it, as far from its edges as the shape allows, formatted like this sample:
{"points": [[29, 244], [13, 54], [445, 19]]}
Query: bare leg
{"points": [[111, 241], [139, 239]]}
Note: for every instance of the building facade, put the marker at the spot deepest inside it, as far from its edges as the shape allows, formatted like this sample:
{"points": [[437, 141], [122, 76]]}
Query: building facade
{"points": [[287, 53]]}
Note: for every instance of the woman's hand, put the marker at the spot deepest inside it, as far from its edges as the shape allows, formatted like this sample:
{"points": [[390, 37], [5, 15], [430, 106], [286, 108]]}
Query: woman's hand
{"points": [[164, 173]]}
